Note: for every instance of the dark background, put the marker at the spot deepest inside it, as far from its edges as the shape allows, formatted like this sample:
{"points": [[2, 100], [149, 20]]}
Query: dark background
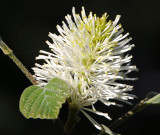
{"points": [[24, 26]]}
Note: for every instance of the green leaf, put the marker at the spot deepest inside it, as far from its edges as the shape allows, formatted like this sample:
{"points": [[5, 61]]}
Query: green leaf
{"points": [[154, 100], [44, 102], [106, 131], [151, 94]]}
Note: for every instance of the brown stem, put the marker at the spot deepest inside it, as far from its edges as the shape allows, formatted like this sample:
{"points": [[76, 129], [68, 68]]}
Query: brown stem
{"points": [[140, 106], [7, 51]]}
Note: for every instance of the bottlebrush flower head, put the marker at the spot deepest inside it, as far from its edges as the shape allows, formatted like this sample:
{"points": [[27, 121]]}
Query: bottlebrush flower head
{"points": [[90, 55]]}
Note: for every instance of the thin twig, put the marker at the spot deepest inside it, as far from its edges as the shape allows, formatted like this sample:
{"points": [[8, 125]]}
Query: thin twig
{"points": [[140, 106], [7, 51]]}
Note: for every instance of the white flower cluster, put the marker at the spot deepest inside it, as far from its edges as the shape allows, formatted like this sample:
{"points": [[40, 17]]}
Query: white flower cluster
{"points": [[90, 56]]}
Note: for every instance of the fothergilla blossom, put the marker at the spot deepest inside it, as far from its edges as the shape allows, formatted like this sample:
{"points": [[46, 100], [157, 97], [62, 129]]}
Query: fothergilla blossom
{"points": [[90, 55]]}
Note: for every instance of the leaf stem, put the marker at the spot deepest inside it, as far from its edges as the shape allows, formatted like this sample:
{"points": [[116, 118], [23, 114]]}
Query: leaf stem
{"points": [[7, 51], [138, 107]]}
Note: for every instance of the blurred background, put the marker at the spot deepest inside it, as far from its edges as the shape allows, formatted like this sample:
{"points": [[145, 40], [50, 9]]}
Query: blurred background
{"points": [[24, 27]]}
